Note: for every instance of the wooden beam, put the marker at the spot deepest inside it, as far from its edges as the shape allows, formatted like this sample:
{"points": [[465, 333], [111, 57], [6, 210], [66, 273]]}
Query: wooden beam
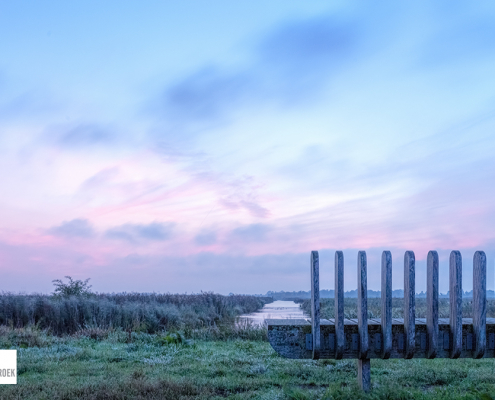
{"points": [[432, 302], [479, 303], [290, 338], [455, 294], [409, 304], [315, 303], [386, 303], [339, 305]]}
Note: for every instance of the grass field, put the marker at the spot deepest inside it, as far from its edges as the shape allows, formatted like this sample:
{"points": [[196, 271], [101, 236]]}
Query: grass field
{"points": [[148, 367]]}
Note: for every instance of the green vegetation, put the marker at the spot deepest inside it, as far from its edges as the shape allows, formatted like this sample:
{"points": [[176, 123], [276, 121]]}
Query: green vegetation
{"points": [[151, 367], [137, 312], [374, 308], [150, 346]]}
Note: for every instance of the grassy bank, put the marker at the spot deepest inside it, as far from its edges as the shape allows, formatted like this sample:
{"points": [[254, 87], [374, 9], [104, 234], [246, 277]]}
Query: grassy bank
{"points": [[79, 367]]}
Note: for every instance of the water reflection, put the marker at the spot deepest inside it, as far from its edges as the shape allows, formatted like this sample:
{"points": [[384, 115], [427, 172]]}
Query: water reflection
{"points": [[277, 310]]}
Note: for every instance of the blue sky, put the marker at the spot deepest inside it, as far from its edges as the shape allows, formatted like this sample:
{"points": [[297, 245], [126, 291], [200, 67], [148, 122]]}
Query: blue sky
{"points": [[192, 146]]}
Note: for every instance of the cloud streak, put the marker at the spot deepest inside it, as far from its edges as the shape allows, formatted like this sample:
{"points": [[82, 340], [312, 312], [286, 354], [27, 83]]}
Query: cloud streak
{"points": [[141, 232], [76, 228]]}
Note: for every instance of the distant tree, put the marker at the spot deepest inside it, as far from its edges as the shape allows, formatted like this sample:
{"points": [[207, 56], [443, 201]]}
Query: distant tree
{"points": [[72, 287]]}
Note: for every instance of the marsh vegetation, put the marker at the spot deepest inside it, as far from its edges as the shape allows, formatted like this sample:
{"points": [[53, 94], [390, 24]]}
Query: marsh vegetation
{"points": [[327, 308], [150, 346], [136, 312]]}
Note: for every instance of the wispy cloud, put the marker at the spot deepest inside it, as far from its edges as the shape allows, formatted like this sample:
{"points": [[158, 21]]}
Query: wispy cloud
{"points": [[251, 233], [76, 228], [86, 135], [207, 94], [289, 64], [206, 238], [255, 209], [154, 231]]}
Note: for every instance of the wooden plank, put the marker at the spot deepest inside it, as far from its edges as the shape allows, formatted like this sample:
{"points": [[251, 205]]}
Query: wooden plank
{"points": [[455, 294], [287, 322], [386, 320], [374, 321], [339, 305], [432, 302], [362, 305], [479, 303], [315, 303], [409, 304], [290, 340], [490, 322]]}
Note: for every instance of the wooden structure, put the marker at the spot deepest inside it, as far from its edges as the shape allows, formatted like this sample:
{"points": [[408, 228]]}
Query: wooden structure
{"points": [[411, 337]]}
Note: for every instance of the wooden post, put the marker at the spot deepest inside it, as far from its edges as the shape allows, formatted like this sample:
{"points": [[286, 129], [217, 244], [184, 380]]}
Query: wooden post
{"points": [[386, 303], [315, 303], [364, 375], [363, 360], [339, 305], [479, 303], [455, 289], [409, 304], [432, 303]]}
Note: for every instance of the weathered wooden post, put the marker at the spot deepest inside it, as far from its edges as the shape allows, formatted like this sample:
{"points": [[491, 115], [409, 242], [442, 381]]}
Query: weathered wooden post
{"points": [[432, 303], [479, 303], [409, 304], [315, 303], [455, 294], [386, 304], [339, 305], [364, 378]]}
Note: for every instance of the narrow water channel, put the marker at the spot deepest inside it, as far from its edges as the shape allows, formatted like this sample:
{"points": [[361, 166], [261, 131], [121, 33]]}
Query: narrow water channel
{"points": [[277, 310]]}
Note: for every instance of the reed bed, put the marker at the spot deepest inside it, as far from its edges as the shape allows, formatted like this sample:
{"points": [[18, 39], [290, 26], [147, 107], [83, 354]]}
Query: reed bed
{"points": [[374, 308], [132, 312]]}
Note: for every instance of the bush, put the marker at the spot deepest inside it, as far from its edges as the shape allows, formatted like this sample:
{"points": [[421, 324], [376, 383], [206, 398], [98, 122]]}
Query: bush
{"points": [[71, 288]]}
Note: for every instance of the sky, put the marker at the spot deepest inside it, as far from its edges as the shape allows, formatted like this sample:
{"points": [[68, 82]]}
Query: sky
{"points": [[165, 146]]}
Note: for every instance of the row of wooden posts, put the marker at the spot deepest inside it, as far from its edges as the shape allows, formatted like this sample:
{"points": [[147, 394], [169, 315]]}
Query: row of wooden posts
{"points": [[455, 339]]}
